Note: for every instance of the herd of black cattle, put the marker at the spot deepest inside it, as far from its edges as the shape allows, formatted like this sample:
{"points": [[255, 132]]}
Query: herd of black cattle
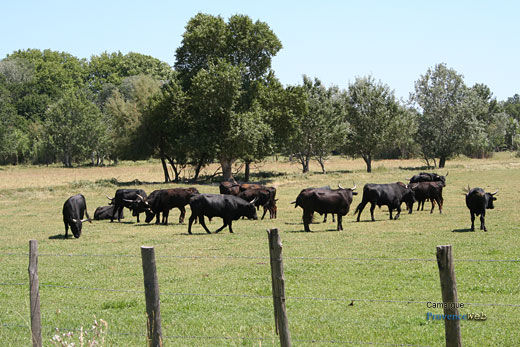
{"points": [[243, 199]]}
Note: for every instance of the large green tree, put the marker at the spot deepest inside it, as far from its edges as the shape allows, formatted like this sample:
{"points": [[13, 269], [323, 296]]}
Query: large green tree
{"points": [[374, 119], [209, 43], [446, 118], [73, 126]]}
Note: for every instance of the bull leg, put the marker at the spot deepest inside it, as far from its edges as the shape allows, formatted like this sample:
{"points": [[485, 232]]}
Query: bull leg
{"points": [[120, 210], [472, 221], [265, 211], [230, 228], [397, 214], [66, 229], [138, 217], [372, 208], [201, 221], [193, 218], [157, 217], [114, 210], [360, 208], [482, 221], [307, 219], [340, 222], [325, 218], [390, 210], [222, 227], [183, 213], [333, 218]]}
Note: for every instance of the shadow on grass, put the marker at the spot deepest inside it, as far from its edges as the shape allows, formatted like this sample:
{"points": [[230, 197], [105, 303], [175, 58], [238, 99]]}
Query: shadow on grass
{"points": [[60, 237], [312, 231], [461, 230], [416, 168]]}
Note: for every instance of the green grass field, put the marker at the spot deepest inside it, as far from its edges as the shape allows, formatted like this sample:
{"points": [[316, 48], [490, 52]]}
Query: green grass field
{"points": [[216, 289]]}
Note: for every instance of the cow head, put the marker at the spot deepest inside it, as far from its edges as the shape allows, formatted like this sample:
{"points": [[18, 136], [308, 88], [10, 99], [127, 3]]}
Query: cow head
{"points": [[250, 211], [490, 197], [76, 226], [409, 198]]}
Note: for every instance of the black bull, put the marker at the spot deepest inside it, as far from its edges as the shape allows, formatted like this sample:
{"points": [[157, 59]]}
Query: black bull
{"points": [[163, 200], [391, 195], [428, 191], [126, 198], [477, 200], [227, 207], [335, 201], [73, 210]]}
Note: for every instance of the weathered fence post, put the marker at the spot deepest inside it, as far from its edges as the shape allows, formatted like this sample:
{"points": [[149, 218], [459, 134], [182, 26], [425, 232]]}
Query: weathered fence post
{"points": [[34, 288], [278, 281], [151, 291], [449, 295]]}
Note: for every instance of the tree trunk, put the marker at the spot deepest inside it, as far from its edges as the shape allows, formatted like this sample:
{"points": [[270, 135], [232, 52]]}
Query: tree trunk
{"points": [[226, 168], [322, 164], [174, 168], [247, 170], [165, 170], [368, 161], [442, 162]]}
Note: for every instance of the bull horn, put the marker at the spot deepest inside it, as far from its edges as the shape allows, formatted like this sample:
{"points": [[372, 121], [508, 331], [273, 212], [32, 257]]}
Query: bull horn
{"points": [[293, 202], [109, 198], [494, 192], [74, 220], [466, 190], [127, 200], [447, 172], [144, 200], [340, 187], [84, 220], [253, 201], [355, 186]]}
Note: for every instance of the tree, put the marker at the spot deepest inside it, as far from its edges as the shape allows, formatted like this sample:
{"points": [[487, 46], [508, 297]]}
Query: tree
{"points": [[165, 126], [446, 120], [221, 129], [209, 43], [124, 110], [316, 123], [374, 119], [73, 125]]}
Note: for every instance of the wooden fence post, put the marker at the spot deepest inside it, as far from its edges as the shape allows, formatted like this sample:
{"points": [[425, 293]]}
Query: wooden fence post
{"points": [[34, 288], [449, 295], [151, 291], [278, 282]]}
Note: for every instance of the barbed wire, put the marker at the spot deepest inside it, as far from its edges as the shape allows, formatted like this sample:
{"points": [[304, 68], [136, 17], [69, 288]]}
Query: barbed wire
{"points": [[398, 301], [260, 257]]}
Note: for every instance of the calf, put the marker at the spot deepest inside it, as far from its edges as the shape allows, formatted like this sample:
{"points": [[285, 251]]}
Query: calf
{"points": [[73, 210], [391, 195], [227, 207], [477, 200], [263, 197], [428, 191], [106, 212]]}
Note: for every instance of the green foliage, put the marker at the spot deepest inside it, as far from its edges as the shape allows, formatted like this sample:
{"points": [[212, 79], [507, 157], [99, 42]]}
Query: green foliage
{"points": [[73, 126], [447, 118], [376, 120]]}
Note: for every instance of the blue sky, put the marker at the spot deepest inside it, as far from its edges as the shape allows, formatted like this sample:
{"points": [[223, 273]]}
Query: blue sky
{"points": [[336, 41]]}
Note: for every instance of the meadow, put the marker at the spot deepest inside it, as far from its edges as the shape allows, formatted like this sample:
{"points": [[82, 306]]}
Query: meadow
{"points": [[368, 284]]}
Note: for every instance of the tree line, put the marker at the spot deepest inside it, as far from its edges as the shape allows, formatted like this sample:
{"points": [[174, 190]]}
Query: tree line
{"points": [[221, 101]]}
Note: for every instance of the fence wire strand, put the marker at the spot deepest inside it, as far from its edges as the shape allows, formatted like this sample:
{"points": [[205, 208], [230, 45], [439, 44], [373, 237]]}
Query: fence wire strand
{"points": [[249, 296], [260, 257]]}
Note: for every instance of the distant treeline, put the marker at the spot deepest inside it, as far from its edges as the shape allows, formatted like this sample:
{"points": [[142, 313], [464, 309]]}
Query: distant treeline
{"points": [[221, 101]]}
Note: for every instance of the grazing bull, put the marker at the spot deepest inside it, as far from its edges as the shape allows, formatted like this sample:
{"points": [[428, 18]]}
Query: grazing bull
{"points": [[73, 210], [227, 207], [428, 191], [335, 201], [164, 200], [264, 197], [126, 198], [106, 212], [391, 195], [428, 177], [477, 200]]}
